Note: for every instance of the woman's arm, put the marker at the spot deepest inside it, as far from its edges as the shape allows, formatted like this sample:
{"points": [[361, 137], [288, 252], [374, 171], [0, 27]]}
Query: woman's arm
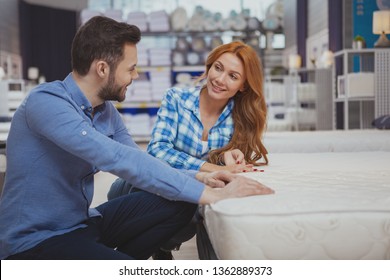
{"points": [[232, 161]]}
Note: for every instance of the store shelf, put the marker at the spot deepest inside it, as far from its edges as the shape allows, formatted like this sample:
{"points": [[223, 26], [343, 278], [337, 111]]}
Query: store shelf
{"points": [[143, 69], [138, 104], [232, 33], [301, 99], [353, 76], [343, 99], [188, 68]]}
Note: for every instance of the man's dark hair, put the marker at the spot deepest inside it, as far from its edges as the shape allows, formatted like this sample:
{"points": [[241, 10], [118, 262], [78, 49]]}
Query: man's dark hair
{"points": [[101, 38]]}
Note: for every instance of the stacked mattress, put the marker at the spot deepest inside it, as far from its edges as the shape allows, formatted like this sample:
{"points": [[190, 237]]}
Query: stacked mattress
{"points": [[327, 205]]}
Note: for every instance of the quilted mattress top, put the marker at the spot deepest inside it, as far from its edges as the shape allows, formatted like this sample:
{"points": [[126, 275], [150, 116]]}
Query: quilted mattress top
{"points": [[325, 206], [318, 182]]}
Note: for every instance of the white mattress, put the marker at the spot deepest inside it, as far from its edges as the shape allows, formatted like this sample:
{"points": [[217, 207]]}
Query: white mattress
{"points": [[327, 141], [325, 206]]}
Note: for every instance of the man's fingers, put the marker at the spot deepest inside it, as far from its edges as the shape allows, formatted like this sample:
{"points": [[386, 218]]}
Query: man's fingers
{"points": [[225, 176], [216, 183], [248, 187]]}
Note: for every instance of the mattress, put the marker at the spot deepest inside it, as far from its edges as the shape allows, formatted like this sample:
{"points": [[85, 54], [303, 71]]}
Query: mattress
{"points": [[327, 141], [325, 206]]}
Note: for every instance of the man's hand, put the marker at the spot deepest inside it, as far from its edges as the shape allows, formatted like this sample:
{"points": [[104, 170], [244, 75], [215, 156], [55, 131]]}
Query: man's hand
{"points": [[238, 186], [217, 179]]}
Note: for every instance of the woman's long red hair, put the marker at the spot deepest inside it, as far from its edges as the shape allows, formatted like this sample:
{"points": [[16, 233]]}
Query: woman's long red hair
{"points": [[250, 109]]}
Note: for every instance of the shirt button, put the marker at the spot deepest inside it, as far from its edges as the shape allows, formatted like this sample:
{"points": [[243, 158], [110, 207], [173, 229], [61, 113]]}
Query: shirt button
{"points": [[84, 132], [82, 107]]}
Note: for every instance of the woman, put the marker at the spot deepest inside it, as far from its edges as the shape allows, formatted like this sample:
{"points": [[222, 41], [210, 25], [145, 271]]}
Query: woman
{"points": [[217, 126]]}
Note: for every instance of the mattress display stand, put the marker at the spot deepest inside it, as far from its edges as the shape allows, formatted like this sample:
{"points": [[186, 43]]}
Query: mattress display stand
{"points": [[203, 243]]}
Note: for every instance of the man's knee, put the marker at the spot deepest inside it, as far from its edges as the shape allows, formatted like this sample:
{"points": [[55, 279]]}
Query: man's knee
{"points": [[186, 210], [118, 188]]}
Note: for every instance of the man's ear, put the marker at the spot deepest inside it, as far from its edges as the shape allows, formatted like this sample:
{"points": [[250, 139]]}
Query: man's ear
{"points": [[102, 69]]}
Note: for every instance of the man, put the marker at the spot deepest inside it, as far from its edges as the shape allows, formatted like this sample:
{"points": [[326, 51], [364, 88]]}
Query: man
{"points": [[65, 132]]}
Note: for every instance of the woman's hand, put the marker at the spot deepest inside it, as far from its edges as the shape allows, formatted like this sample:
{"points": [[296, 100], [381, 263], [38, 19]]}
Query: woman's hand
{"points": [[233, 157], [235, 162], [238, 168]]}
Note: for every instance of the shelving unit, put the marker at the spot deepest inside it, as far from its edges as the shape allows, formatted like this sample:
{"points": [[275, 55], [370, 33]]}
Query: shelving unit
{"points": [[12, 94], [382, 83], [361, 83], [299, 101], [139, 115], [316, 98], [137, 104]]}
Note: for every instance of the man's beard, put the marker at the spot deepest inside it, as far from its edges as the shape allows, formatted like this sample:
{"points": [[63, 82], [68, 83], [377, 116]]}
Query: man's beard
{"points": [[111, 91]]}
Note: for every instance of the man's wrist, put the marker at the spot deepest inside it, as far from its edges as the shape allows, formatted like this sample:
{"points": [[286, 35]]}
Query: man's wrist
{"points": [[200, 176], [209, 195]]}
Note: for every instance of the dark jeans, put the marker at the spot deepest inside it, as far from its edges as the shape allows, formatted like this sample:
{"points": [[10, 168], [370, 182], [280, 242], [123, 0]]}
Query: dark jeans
{"points": [[120, 187], [132, 227]]}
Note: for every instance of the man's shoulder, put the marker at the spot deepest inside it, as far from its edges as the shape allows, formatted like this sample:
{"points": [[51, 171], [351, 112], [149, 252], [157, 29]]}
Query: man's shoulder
{"points": [[54, 87], [52, 93]]}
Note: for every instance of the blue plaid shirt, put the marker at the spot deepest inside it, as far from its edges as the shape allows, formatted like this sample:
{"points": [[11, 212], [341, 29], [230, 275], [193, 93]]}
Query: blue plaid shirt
{"points": [[177, 133]]}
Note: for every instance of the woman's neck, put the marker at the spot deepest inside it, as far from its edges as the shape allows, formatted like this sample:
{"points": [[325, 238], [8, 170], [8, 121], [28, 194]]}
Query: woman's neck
{"points": [[210, 110], [210, 106]]}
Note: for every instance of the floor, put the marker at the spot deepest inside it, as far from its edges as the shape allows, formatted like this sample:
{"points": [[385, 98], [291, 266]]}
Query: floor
{"points": [[103, 182]]}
